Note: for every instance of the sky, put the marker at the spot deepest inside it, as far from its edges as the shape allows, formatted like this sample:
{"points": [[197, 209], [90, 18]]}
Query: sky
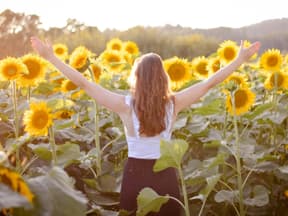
{"points": [[125, 14]]}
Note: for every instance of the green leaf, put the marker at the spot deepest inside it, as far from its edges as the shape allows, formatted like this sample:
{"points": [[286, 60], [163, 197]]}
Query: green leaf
{"points": [[65, 152], [259, 110], [214, 107], [283, 169], [59, 103], [260, 196], [215, 161], [180, 122], [65, 123], [226, 196], [199, 125], [10, 198], [171, 154], [41, 150], [149, 201], [55, 195], [211, 182]]}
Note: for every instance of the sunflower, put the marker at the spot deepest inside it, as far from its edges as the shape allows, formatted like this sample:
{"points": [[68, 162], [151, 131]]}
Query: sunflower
{"points": [[244, 99], [178, 69], [214, 65], [12, 68], [63, 114], [112, 59], [79, 57], [15, 182], [68, 85], [128, 58], [97, 70], [38, 119], [114, 44], [56, 77], [227, 51], [286, 193], [286, 59], [61, 51], [131, 47], [238, 79], [199, 66], [276, 79], [271, 60], [36, 71]]}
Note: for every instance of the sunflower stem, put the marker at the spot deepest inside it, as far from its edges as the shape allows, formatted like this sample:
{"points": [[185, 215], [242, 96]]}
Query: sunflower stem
{"points": [[186, 203], [237, 156], [274, 101], [53, 145], [29, 94], [96, 136], [16, 123]]}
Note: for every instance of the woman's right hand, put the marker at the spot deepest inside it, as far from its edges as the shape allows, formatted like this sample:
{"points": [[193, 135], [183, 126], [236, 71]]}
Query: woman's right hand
{"points": [[44, 49]]}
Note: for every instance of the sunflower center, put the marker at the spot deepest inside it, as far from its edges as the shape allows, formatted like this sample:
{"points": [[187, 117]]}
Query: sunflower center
{"points": [[277, 80], [40, 119], [216, 66], [130, 49], [33, 68], [65, 115], [59, 51], [237, 80], [229, 53], [116, 47], [11, 70], [70, 86], [272, 61], [241, 98], [6, 180], [202, 68], [176, 72], [81, 61], [113, 59], [96, 71]]}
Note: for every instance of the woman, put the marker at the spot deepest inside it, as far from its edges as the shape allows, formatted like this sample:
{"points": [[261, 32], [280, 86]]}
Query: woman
{"points": [[148, 115]]}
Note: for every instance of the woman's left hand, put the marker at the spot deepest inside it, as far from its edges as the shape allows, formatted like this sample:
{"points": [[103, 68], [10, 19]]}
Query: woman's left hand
{"points": [[246, 53]]}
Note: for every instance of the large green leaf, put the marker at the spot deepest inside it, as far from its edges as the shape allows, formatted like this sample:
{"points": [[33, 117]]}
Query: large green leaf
{"points": [[171, 154], [10, 198], [149, 201], [211, 182], [214, 107], [258, 196], [65, 153], [260, 109], [59, 103], [226, 196], [55, 195]]}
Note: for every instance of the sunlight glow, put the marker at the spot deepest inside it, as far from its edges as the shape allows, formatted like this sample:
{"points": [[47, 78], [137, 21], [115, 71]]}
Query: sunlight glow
{"points": [[125, 14]]}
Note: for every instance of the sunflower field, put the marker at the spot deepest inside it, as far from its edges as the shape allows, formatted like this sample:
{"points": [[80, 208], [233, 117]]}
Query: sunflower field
{"points": [[62, 154]]}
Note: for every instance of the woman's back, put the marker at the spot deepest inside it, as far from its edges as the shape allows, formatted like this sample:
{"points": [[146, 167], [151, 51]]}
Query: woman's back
{"points": [[145, 147]]}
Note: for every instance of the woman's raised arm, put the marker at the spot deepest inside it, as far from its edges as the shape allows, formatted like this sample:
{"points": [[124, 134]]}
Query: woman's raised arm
{"points": [[192, 94], [113, 101]]}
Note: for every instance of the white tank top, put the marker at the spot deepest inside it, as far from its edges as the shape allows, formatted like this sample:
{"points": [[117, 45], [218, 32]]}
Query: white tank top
{"points": [[147, 147]]}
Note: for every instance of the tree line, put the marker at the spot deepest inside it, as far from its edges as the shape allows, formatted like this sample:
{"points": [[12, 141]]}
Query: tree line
{"points": [[168, 41]]}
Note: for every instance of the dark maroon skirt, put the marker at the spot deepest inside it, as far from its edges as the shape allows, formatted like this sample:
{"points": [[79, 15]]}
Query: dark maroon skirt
{"points": [[138, 174]]}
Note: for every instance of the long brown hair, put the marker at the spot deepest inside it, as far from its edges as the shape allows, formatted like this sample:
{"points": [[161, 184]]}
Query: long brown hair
{"points": [[151, 93]]}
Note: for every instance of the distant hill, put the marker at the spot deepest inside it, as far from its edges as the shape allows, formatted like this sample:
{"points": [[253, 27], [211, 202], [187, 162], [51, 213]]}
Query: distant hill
{"points": [[272, 33], [167, 40]]}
